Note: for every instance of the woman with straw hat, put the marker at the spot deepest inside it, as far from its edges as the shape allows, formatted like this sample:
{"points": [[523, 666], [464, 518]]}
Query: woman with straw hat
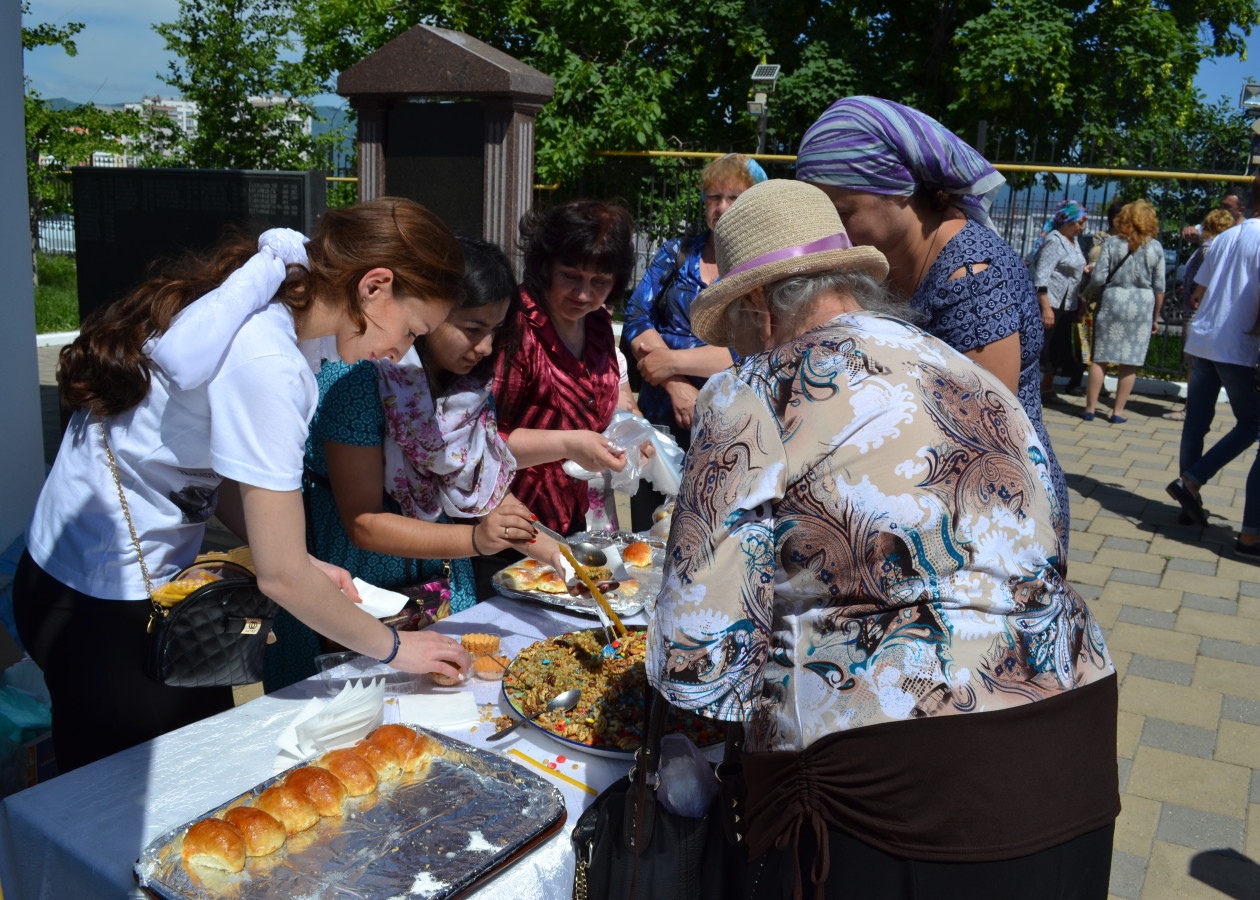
{"points": [[859, 569]]}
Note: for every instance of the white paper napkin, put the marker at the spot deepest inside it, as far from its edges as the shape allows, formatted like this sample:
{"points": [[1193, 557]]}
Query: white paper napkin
{"points": [[438, 711], [379, 601], [323, 725]]}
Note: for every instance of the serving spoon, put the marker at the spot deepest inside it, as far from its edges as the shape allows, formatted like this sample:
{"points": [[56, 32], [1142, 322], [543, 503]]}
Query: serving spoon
{"points": [[565, 702], [583, 551]]}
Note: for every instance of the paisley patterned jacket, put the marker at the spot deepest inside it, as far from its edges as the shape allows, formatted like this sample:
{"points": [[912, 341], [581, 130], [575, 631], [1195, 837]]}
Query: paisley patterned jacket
{"points": [[866, 533]]}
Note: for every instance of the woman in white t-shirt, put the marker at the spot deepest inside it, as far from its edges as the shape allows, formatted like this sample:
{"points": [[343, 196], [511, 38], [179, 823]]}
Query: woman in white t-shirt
{"points": [[198, 382]]}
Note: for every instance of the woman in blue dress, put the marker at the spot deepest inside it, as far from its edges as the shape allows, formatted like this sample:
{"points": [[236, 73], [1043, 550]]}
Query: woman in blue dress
{"points": [[918, 193], [407, 476], [673, 362]]}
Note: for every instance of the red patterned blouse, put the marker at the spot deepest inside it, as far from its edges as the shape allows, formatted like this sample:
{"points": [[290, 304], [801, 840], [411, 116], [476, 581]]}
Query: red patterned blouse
{"points": [[544, 386]]}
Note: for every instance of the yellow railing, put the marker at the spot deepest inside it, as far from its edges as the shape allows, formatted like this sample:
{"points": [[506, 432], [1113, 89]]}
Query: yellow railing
{"points": [[1094, 171]]}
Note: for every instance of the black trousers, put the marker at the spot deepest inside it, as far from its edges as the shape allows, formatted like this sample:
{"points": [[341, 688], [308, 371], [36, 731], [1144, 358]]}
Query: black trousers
{"points": [[91, 651], [1079, 869]]}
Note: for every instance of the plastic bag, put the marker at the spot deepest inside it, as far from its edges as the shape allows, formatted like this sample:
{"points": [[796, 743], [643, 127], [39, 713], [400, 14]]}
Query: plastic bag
{"points": [[688, 784], [626, 432]]}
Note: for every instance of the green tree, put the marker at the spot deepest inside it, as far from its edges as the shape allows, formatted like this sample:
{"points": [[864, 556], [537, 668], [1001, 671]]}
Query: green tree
{"points": [[59, 138], [236, 59], [656, 74]]}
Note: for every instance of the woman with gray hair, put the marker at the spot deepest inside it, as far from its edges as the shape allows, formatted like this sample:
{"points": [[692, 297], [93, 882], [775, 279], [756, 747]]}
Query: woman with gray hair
{"points": [[860, 570]]}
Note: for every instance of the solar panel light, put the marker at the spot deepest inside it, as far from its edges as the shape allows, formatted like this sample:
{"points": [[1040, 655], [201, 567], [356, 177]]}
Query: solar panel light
{"points": [[1250, 99], [765, 74]]}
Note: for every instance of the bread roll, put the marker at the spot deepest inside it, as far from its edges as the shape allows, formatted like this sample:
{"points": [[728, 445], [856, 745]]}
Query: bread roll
{"points": [[384, 760], [351, 769], [292, 809], [551, 582], [637, 554], [214, 844], [262, 832], [319, 786], [398, 738], [520, 579], [628, 588]]}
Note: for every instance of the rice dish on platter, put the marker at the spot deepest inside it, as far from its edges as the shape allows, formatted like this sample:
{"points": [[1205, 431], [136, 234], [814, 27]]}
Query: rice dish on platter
{"points": [[610, 713]]}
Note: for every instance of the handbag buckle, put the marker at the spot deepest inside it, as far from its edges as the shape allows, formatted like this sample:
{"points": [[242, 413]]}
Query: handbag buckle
{"points": [[251, 626]]}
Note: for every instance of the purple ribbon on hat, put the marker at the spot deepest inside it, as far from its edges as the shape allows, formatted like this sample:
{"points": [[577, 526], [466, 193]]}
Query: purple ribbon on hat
{"points": [[830, 242]]}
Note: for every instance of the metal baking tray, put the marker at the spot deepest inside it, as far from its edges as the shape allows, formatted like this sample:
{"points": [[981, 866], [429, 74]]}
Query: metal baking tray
{"points": [[649, 578], [432, 838]]}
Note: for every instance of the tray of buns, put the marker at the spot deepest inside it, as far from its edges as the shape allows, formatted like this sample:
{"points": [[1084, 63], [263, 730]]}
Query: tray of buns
{"points": [[642, 557], [405, 813]]}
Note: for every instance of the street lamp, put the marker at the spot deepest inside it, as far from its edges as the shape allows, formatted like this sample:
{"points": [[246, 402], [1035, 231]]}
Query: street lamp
{"points": [[763, 78], [1249, 102]]}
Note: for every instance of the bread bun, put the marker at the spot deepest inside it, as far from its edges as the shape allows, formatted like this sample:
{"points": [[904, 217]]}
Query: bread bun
{"points": [[637, 554], [292, 809], [520, 579], [628, 588], [351, 769], [490, 668], [551, 582], [319, 786], [262, 832], [414, 748], [214, 844], [384, 760], [480, 643]]}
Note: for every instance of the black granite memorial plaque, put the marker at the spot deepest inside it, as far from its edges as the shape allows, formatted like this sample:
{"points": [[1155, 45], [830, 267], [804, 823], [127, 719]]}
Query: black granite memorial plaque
{"points": [[125, 219], [435, 156]]}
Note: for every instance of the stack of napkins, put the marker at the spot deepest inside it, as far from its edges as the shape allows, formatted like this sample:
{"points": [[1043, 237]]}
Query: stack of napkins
{"points": [[323, 725]]}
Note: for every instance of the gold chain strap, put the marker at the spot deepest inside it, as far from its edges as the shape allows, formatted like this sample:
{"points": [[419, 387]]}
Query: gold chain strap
{"points": [[158, 610]]}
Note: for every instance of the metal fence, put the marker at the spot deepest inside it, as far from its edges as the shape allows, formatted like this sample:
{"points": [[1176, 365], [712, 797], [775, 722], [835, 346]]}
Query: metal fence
{"points": [[662, 192]]}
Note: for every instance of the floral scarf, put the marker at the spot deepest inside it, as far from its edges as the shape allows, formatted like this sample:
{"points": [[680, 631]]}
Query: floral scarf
{"points": [[443, 455]]}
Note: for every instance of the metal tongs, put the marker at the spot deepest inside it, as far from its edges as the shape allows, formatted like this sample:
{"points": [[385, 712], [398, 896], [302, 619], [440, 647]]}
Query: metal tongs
{"points": [[590, 555]]}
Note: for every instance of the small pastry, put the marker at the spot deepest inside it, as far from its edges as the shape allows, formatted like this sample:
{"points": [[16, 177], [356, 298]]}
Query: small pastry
{"points": [[321, 787], [214, 844], [292, 809], [351, 769], [480, 643], [384, 760], [262, 832], [637, 554], [490, 668]]}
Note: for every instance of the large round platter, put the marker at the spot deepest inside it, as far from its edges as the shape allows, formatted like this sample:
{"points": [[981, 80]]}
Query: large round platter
{"points": [[609, 719]]}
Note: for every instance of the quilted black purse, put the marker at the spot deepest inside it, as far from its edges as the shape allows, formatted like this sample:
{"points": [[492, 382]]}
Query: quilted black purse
{"points": [[211, 623], [629, 847]]}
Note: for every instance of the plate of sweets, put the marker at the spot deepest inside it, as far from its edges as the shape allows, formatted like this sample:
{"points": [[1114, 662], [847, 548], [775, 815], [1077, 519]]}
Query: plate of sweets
{"points": [[631, 578], [609, 719]]}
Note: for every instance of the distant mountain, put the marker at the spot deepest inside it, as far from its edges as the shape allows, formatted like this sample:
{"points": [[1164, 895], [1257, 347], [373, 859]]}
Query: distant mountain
{"points": [[60, 103]]}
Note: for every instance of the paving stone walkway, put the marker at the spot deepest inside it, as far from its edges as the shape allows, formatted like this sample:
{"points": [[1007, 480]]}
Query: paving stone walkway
{"points": [[1183, 623]]}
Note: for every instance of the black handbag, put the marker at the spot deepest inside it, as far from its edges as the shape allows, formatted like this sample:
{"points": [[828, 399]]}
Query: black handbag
{"points": [[629, 847], [210, 624]]}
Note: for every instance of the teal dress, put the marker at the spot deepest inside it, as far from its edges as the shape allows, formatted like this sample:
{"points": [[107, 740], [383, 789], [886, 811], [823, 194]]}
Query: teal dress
{"points": [[349, 412]]}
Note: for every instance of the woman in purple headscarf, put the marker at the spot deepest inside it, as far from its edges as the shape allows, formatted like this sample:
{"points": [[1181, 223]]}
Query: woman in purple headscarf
{"points": [[915, 191], [1058, 265]]}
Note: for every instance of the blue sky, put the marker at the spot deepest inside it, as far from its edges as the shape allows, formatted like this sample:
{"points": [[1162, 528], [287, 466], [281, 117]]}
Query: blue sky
{"points": [[120, 56]]}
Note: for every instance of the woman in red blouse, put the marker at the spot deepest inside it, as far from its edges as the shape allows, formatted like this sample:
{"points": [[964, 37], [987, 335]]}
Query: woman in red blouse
{"points": [[557, 392]]}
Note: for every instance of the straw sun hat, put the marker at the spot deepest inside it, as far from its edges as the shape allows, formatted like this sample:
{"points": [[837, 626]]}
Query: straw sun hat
{"points": [[775, 230]]}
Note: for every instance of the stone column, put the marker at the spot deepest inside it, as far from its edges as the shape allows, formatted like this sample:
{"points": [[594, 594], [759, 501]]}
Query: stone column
{"points": [[509, 171], [371, 119]]}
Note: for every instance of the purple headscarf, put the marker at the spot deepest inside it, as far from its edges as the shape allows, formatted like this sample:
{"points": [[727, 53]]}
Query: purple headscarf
{"points": [[880, 147]]}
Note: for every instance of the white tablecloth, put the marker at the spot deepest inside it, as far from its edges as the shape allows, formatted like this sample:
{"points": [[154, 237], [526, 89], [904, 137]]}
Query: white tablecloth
{"points": [[78, 835]]}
